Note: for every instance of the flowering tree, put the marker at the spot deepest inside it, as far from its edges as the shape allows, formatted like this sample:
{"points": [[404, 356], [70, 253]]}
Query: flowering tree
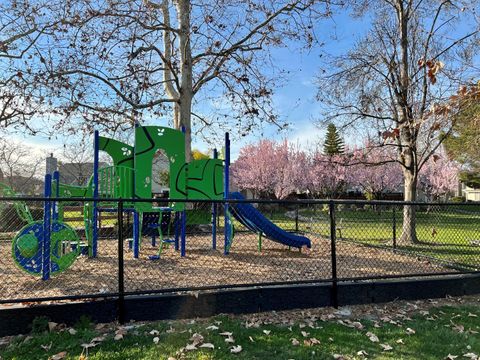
{"points": [[439, 176], [269, 168], [328, 174], [375, 171]]}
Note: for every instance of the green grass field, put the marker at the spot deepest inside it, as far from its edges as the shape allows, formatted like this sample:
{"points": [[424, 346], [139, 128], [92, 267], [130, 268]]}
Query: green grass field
{"points": [[433, 334], [447, 234]]}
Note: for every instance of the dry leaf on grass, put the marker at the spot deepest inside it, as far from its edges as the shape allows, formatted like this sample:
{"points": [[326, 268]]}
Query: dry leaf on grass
{"points": [[471, 355], [472, 315], [72, 331], [229, 340], [196, 339], [226, 333], [156, 340], [305, 334], [295, 342], [212, 327], [251, 339], [118, 337], [386, 347], [410, 331], [451, 357], [400, 341], [190, 347], [207, 346], [46, 347], [52, 325], [362, 353], [154, 332], [372, 337], [236, 349], [59, 356], [339, 357], [267, 332]]}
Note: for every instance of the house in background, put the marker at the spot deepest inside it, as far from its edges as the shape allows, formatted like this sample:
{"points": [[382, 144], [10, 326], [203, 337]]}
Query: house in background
{"points": [[470, 193]]}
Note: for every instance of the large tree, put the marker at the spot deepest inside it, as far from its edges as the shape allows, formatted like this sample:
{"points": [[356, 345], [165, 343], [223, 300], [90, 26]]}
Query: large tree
{"points": [[414, 56], [119, 62]]}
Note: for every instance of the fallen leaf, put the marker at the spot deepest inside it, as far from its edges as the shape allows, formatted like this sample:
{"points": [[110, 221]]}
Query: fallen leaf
{"points": [[59, 356], [154, 332], [410, 331], [196, 339], [89, 345], [207, 346], [46, 347], [230, 340], [458, 328], [386, 347], [251, 339], [98, 339], [190, 347], [471, 356], [212, 327], [118, 337], [315, 341], [357, 325], [362, 353], [267, 332], [400, 341], [52, 325], [295, 342], [372, 337], [226, 333], [236, 349], [472, 315], [72, 331], [451, 357], [156, 339], [305, 334]]}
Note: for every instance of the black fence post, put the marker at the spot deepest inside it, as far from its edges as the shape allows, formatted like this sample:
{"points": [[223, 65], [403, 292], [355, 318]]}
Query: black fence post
{"points": [[121, 281], [333, 242], [394, 227], [296, 219]]}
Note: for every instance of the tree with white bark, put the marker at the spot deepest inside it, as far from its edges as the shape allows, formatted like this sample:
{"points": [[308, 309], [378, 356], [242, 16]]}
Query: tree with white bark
{"points": [[394, 80]]}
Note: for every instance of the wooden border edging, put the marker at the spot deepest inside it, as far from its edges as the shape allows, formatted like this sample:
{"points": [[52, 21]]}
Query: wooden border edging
{"points": [[18, 320]]}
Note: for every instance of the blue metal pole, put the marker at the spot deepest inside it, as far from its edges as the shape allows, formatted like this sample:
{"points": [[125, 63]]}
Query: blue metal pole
{"points": [[96, 145], [226, 191], [136, 234], [56, 205], [47, 213], [214, 213], [183, 237]]}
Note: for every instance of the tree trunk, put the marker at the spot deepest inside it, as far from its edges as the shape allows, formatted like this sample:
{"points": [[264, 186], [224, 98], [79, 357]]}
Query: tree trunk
{"points": [[409, 233], [186, 87]]}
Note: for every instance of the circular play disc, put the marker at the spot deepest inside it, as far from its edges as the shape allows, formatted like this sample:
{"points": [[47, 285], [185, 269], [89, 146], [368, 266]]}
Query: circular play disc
{"points": [[27, 247]]}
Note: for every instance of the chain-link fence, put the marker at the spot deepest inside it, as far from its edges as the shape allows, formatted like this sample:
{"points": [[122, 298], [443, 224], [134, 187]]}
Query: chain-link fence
{"points": [[52, 250]]}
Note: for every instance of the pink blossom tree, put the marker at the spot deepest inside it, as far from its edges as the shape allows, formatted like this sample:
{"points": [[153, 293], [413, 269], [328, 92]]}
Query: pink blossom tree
{"points": [[327, 174], [270, 168], [439, 176], [374, 171]]}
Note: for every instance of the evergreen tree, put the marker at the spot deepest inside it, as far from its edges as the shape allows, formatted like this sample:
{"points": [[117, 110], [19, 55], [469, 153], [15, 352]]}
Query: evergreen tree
{"points": [[333, 142]]}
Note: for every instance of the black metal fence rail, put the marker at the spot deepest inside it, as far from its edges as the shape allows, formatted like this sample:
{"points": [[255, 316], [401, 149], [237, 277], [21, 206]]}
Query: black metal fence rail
{"points": [[350, 241]]}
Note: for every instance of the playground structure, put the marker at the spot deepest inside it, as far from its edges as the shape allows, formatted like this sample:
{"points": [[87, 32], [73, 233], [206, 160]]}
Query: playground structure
{"points": [[49, 246]]}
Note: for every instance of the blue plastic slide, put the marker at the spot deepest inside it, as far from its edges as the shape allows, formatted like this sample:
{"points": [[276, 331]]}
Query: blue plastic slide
{"points": [[255, 221]]}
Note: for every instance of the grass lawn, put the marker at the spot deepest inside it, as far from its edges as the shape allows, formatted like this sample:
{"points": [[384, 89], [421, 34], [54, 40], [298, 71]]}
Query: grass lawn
{"points": [[431, 333], [444, 233]]}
